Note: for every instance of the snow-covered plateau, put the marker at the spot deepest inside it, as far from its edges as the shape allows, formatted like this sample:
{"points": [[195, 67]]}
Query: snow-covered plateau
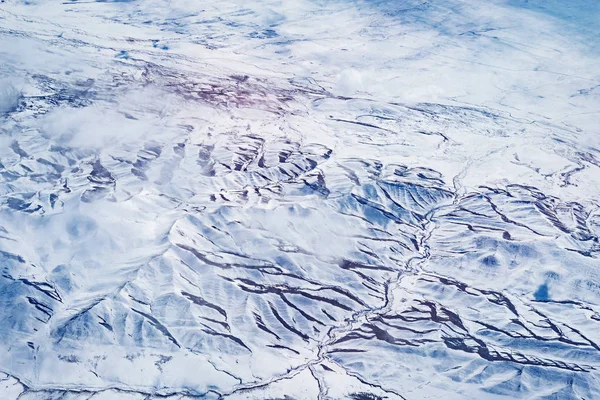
{"points": [[301, 199]]}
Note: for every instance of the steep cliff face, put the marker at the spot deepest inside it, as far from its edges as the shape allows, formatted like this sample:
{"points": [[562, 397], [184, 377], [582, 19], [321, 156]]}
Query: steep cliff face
{"points": [[341, 200]]}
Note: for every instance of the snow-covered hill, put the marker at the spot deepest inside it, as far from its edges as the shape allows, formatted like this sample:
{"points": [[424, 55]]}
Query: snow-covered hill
{"points": [[299, 200]]}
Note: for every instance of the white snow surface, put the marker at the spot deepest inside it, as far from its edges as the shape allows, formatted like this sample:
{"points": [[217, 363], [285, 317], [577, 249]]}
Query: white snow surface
{"points": [[363, 200]]}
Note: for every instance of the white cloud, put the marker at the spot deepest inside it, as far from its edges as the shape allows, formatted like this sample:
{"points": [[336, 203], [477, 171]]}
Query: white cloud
{"points": [[9, 96]]}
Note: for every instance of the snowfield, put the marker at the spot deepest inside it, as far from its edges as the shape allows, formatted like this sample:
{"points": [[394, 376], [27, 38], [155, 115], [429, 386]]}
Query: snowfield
{"points": [[372, 199]]}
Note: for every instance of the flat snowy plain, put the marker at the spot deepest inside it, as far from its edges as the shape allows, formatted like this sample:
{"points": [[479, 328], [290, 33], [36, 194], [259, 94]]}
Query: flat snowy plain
{"points": [[299, 200]]}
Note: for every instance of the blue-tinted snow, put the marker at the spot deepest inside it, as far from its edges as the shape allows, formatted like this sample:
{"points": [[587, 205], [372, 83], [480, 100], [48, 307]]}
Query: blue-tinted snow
{"points": [[301, 200]]}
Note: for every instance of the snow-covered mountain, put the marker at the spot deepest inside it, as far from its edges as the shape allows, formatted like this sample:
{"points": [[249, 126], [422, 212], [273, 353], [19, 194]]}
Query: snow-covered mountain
{"points": [[372, 199]]}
